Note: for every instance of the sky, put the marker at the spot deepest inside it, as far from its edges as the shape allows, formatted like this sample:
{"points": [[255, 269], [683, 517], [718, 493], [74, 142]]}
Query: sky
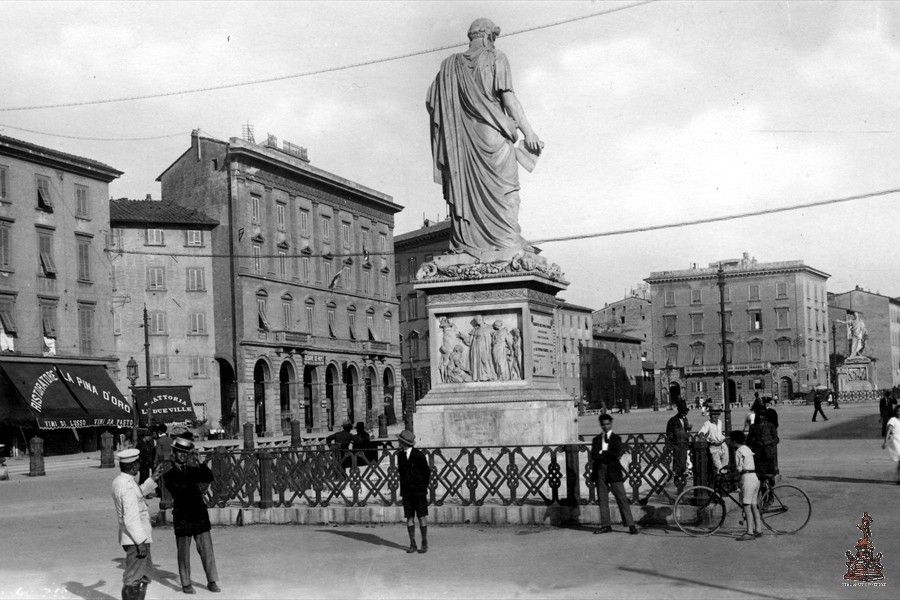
{"points": [[656, 114]]}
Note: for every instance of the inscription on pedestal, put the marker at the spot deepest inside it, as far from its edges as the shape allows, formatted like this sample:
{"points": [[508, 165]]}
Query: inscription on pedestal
{"points": [[543, 345]]}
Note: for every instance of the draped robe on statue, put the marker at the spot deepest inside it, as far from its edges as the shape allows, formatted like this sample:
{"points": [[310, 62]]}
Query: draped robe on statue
{"points": [[472, 146]]}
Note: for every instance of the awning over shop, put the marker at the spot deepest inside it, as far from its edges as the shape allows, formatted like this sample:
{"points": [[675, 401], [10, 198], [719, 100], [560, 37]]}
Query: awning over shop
{"points": [[169, 404], [60, 396]]}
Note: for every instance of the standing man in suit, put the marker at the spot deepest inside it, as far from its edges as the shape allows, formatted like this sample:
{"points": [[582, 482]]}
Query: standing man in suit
{"points": [[677, 434], [414, 475], [189, 515], [606, 450], [817, 402]]}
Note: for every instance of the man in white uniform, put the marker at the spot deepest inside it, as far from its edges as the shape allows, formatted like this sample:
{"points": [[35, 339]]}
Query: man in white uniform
{"points": [[715, 437], [134, 523]]}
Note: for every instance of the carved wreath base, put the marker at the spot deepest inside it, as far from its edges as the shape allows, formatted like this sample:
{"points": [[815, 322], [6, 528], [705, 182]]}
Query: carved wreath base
{"points": [[468, 267]]}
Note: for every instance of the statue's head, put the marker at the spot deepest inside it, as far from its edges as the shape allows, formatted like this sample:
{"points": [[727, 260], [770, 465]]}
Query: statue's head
{"points": [[483, 28]]}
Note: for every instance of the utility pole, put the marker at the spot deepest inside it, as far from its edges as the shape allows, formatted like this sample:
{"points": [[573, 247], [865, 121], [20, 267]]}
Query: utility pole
{"points": [[721, 283], [833, 374], [147, 368]]}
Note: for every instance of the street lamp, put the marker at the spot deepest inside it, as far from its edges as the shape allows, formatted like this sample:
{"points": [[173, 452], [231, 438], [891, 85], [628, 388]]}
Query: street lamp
{"points": [[131, 373]]}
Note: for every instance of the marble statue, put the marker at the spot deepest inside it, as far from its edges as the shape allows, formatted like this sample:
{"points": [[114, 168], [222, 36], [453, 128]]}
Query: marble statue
{"points": [[499, 351], [856, 333], [514, 345], [475, 118], [478, 340]]}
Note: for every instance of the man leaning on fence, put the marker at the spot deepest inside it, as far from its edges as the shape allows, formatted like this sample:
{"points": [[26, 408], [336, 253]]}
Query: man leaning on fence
{"points": [[606, 452], [715, 438]]}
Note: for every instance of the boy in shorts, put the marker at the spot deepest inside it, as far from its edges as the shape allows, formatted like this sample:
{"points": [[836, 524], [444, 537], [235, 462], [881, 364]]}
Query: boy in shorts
{"points": [[743, 461], [414, 474]]}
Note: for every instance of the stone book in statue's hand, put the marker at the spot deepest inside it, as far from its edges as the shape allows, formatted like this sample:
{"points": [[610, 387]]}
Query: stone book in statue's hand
{"points": [[525, 157]]}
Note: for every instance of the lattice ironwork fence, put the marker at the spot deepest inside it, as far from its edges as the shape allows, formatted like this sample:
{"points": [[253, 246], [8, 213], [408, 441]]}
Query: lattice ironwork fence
{"points": [[465, 476]]}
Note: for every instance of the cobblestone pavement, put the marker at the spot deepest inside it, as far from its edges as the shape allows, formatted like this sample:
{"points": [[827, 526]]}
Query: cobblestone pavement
{"points": [[59, 540]]}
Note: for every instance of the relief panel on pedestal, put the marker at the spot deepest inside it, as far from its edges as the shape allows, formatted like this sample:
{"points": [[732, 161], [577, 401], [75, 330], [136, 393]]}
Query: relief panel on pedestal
{"points": [[479, 347]]}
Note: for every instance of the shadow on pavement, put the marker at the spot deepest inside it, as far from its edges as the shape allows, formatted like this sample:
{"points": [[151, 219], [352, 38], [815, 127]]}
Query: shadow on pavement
{"points": [[699, 582], [863, 427], [369, 538], [845, 479], [88, 592]]}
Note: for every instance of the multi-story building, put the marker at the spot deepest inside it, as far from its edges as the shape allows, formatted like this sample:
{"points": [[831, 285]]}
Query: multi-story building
{"points": [[54, 276], [881, 315], [776, 325], [161, 261], [612, 371], [573, 327], [303, 295], [630, 316]]}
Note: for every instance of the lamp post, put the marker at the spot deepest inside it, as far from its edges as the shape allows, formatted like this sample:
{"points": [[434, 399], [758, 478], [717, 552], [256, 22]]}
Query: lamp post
{"points": [[721, 283], [131, 373], [147, 367]]}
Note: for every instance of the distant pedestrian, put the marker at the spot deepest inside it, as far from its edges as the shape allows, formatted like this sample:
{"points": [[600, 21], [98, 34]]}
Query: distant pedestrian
{"points": [[715, 437], [892, 440], [750, 417], [746, 467], [606, 452], [135, 532], [414, 473], [620, 406], [771, 413], [886, 410], [190, 516], [364, 447], [163, 445], [817, 402], [677, 434], [147, 450], [343, 439]]}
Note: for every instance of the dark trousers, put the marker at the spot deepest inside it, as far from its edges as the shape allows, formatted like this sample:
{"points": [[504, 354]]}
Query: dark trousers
{"points": [[618, 491], [818, 411], [205, 548], [136, 569]]}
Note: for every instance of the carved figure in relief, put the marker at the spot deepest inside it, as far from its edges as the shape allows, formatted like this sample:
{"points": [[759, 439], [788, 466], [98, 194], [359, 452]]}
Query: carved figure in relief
{"points": [[457, 372], [499, 351], [856, 333], [449, 341], [479, 342], [514, 353]]}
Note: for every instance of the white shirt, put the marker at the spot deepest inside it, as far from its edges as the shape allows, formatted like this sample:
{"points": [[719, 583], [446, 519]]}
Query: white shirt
{"points": [[132, 510], [713, 432], [604, 444], [408, 452], [743, 459]]}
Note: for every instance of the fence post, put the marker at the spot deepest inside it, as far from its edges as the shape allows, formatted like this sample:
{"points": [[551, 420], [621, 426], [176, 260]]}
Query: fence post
{"points": [[700, 458], [107, 459], [573, 475], [36, 464], [249, 436], [382, 426], [217, 466], [265, 479], [296, 438]]}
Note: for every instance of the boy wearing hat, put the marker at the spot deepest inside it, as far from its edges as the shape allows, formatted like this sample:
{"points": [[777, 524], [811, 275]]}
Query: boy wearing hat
{"points": [[744, 463], [414, 475], [189, 514], [715, 438], [134, 523]]}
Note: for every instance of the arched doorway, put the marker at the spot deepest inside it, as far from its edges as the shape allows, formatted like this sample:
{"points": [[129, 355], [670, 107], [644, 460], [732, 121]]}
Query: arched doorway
{"points": [[389, 396], [260, 377], [674, 392], [228, 399], [785, 389], [285, 385], [310, 395], [331, 383], [351, 379], [370, 383]]}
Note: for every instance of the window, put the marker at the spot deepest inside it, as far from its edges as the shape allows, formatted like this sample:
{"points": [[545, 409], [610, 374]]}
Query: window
{"points": [[346, 281], [671, 355], [45, 250], [48, 319], [727, 294], [197, 324], [155, 237], [728, 321], [84, 259], [4, 246], [755, 320], [195, 279], [44, 200], [257, 253], [7, 310], [781, 290], [670, 298], [669, 323], [695, 296], [332, 329], [396, 271], [286, 314], [156, 278], [755, 351], [4, 183], [351, 321], [729, 350], [310, 317], [254, 209], [366, 278], [304, 222], [413, 308], [696, 323], [82, 206], [279, 216], [117, 322], [282, 264], [365, 242], [382, 290], [157, 320], [194, 237], [345, 234], [86, 329], [326, 229], [382, 243], [115, 238], [159, 367], [697, 354], [304, 267], [370, 326], [262, 322], [412, 268], [753, 292], [197, 366], [781, 318], [784, 349], [387, 329]]}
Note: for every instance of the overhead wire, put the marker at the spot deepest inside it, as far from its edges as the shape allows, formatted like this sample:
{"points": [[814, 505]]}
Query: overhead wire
{"points": [[315, 71], [96, 139]]}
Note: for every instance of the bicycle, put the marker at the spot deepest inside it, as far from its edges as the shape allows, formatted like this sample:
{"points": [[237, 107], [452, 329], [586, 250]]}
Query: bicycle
{"points": [[700, 510]]}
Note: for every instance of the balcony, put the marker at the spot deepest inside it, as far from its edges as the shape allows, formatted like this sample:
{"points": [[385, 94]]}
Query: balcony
{"points": [[46, 284], [293, 337], [376, 347], [732, 368]]}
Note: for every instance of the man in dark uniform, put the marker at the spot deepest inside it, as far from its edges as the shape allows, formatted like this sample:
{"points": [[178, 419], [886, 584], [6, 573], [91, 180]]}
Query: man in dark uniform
{"points": [[189, 514], [414, 473], [343, 439], [606, 450], [677, 434]]}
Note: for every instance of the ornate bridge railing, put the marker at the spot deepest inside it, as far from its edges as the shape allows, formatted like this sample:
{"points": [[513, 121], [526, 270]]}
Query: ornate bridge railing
{"points": [[465, 476]]}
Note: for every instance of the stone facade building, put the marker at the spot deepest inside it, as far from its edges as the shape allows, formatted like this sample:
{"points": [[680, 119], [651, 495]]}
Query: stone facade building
{"points": [[630, 316], [776, 324], [881, 315], [161, 259], [573, 326], [303, 295], [613, 372]]}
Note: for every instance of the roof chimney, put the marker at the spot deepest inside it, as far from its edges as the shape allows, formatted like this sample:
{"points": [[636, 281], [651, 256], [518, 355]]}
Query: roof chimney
{"points": [[149, 196]]}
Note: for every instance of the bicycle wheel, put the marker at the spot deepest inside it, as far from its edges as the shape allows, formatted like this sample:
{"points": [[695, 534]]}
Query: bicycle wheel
{"points": [[699, 511], [785, 509]]}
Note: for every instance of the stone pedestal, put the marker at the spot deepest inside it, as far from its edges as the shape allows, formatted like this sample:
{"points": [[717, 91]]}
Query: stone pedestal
{"points": [[494, 357], [856, 375]]}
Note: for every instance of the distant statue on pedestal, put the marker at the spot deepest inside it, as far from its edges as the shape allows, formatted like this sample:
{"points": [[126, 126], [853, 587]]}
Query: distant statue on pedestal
{"points": [[857, 334]]}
